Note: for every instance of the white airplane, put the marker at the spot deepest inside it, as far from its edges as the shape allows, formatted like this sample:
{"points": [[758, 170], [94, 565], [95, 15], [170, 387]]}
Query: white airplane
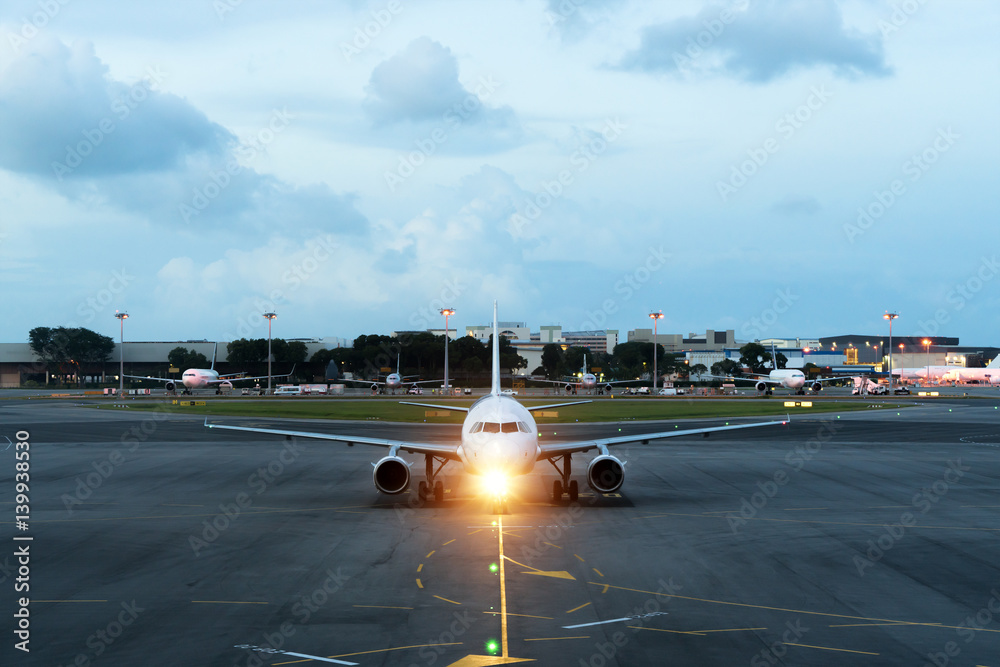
{"points": [[393, 381], [988, 375], [587, 381], [790, 378], [200, 378], [499, 441]]}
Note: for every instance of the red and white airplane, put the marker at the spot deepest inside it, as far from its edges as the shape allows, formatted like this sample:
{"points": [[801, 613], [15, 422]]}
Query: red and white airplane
{"points": [[499, 441], [588, 381], [201, 378]]}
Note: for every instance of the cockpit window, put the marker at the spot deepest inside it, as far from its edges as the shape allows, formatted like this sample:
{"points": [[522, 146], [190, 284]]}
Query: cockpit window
{"points": [[509, 427], [476, 428], [523, 428], [491, 427]]}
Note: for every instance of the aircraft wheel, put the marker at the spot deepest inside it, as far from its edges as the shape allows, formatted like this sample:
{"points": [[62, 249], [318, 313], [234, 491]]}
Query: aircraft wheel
{"points": [[422, 490], [574, 490], [439, 491], [557, 490]]}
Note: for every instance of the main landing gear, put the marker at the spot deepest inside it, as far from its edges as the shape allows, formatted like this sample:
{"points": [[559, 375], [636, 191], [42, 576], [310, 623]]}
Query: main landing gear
{"points": [[565, 485], [425, 489]]}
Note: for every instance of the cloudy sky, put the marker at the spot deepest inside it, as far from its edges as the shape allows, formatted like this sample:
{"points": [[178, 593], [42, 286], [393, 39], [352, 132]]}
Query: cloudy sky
{"points": [[777, 167]]}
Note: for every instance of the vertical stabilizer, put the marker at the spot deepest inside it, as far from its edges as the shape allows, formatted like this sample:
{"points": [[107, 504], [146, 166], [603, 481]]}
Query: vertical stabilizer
{"points": [[214, 354], [774, 358], [495, 386], [995, 363]]}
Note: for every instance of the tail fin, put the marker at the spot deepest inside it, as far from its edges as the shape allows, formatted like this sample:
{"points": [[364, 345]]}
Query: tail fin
{"points": [[774, 358], [214, 354], [585, 363], [495, 387], [995, 363]]}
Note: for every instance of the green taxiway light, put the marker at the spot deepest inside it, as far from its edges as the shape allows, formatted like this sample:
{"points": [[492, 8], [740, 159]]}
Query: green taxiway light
{"points": [[494, 567], [492, 647]]}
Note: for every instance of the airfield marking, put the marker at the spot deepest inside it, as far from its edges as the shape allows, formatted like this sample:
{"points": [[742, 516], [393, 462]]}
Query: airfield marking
{"points": [[578, 608], [503, 591], [827, 648], [447, 600], [380, 650]]}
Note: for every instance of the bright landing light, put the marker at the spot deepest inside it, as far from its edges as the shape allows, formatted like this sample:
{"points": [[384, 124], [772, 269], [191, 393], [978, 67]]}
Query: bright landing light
{"points": [[495, 483]]}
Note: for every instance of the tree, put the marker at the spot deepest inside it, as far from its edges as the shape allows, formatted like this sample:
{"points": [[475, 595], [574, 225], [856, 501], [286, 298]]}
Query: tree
{"points": [[727, 367], [697, 370], [183, 358], [552, 354], [753, 355], [73, 347]]}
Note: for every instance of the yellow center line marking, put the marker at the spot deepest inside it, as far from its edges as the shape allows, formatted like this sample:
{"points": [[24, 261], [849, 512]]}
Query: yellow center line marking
{"points": [[448, 542], [503, 558], [676, 632], [549, 639], [503, 595], [552, 545], [474, 532], [495, 613], [223, 602], [419, 585], [420, 567], [580, 559], [794, 611], [446, 599], [827, 648], [431, 554], [378, 606], [577, 608], [597, 571], [606, 587], [380, 650]]}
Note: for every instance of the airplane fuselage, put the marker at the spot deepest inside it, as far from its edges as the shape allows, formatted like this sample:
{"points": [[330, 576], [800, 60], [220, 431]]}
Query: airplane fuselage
{"points": [[499, 436], [788, 377], [198, 378]]}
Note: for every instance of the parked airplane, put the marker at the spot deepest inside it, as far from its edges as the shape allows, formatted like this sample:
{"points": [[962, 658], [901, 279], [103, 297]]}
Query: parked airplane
{"points": [[790, 378], [990, 374], [393, 381], [499, 440], [587, 381], [199, 378]]}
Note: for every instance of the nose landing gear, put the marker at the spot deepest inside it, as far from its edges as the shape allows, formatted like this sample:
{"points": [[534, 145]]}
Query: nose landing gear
{"points": [[564, 485]]}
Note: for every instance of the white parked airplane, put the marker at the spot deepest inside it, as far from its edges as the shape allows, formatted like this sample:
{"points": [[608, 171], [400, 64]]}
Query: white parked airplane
{"points": [[587, 381], [499, 440], [393, 381], [989, 375], [790, 378], [200, 378]]}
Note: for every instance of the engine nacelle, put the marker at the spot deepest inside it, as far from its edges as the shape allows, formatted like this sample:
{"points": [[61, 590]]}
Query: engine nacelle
{"points": [[608, 387], [605, 474], [569, 388], [391, 475], [170, 386], [817, 386], [374, 387], [761, 386]]}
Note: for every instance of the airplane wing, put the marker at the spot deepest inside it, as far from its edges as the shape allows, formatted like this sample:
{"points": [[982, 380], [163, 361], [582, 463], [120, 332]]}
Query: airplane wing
{"points": [[560, 448], [148, 377], [457, 408], [533, 408], [437, 449], [748, 378]]}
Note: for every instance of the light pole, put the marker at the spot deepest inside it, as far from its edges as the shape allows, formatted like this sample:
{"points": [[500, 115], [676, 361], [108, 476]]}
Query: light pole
{"points": [[121, 364], [890, 316], [447, 312], [927, 358], [655, 317], [270, 317]]}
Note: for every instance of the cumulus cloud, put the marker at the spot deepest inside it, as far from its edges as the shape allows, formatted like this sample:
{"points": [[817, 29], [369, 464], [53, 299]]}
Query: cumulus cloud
{"points": [[132, 146], [758, 41]]}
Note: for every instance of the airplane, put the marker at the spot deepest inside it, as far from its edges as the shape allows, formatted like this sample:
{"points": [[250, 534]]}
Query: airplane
{"points": [[199, 378], [988, 375], [499, 441], [587, 381], [790, 378], [393, 381]]}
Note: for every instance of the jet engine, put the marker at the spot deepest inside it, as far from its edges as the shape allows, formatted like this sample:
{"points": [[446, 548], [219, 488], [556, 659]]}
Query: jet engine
{"points": [[374, 387], [391, 475], [761, 386], [608, 387], [816, 386], [569, 388], [170, 386], [605, 474]]}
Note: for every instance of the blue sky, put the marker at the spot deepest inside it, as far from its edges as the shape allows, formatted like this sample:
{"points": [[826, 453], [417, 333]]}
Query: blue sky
{"points": [[789, 168]]}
